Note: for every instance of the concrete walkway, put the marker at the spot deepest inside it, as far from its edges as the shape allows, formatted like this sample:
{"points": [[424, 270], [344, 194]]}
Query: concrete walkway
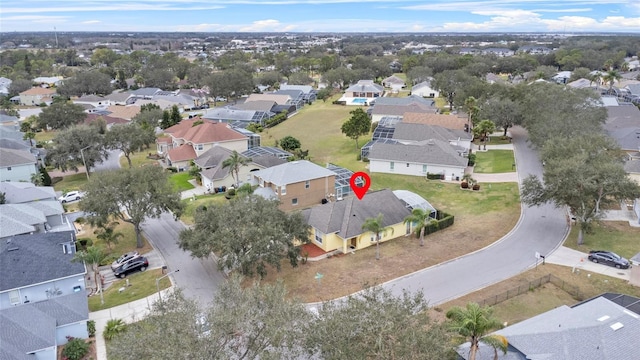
{"points": [[196, 191], [579, 262]]}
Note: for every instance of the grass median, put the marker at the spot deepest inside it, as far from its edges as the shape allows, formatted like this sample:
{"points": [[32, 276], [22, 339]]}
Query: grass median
{"points": [[141, 285]]}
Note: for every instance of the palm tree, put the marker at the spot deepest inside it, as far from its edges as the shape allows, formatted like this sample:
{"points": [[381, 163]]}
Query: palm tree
{"points": [[113, 328], [472, 323], [471, 106], [421, 219], [234, 162], [375, 226], [611, 77], [93, 256], [483, 129], [108, 234]]}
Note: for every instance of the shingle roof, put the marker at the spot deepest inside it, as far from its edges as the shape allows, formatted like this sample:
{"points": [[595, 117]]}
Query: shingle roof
{"points": [[307, 89], [293, 172], [434, 152], [109, 120], [627, 138], [32, 327], [393, 80], [117, 96], [267, 161], [207, 132], [37, 258], [259, 105], [419, 132], [632, 166], [400, 110], [91, 98], [365, 86], [346, 216], [11, 157], [411, 99], [8, 132], [124, 111], [447, 121], [23, 192], [622, 116], [147, 91], [280, 99], [213, 157]]}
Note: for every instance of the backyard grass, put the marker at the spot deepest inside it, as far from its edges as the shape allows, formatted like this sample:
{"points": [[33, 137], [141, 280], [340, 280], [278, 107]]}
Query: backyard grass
{"points": [[180, 181], [203, 200], [71, 182], [137, 159], [141, 285], [616, 236], [494, 161], [45, 136]]}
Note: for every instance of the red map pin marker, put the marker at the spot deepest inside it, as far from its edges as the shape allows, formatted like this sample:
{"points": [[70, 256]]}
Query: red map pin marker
{"points": [[360, 186]]}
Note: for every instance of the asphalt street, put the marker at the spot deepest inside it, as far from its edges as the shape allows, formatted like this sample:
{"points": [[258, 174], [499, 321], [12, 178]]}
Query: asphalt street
{"points": [[540, 229], [197, 278]]}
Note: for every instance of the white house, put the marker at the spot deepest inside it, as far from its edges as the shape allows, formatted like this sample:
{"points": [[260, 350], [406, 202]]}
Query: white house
{"points": [[17, 165], [362, 93], [425, 89]]}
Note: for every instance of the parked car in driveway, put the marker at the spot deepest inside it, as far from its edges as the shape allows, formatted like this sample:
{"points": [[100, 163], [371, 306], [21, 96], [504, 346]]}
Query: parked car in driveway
{"points": [[138, 264], [608, 258], [71, 196], [124, 258]]}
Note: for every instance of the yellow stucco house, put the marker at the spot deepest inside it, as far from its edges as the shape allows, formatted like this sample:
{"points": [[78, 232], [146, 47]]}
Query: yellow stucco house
{"points": [[338, 225]]}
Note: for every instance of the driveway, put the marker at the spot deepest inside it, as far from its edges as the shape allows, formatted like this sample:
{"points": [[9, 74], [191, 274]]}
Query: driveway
{"points": [[539, 230], [199, 279]]}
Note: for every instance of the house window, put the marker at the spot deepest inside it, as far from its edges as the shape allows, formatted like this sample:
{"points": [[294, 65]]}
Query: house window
{"points": [[199, 147], [14, 297], [294, 201], [391, 165], [424, 169], [283, 190], [307, 184], [319, 235], [9, 168]]}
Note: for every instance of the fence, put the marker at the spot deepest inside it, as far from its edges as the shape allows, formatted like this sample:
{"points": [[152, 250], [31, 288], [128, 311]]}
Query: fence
{"points": [[531, 285]]}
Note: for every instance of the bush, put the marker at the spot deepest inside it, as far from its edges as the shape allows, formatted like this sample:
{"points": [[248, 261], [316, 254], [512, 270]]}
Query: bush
{"points": [[476, 187], [75, 349], [108, 260], [431, 176], [113, 328], [464, 185], [472, 159], [91, 328], [172, 169], [359, 157], [84, 243], [230, 193]]}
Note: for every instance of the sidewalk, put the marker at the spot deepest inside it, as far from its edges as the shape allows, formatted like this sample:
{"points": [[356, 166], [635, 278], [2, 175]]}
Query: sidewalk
{"points": [[579, 262], [196, 191], [129, 313]]}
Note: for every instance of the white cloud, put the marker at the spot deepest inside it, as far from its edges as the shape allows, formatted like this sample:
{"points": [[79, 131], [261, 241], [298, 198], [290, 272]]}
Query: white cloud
{"points": [[91, 22]]}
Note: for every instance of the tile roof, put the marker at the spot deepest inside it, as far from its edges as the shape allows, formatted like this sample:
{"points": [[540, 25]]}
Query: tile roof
{"points": [[293, 172], [346, 216], [447, 121], [419, 132], [183, 152], [400, 110], [38, 91], [124, 111], [433, 152], [24, 192], [207, 132], [164, 140], [11, 157], [36, 258], [280, 99]]}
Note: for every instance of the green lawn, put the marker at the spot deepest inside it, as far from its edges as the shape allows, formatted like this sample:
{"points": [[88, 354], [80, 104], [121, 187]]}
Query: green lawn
{"points": [[125, 244], [71, 182], [138, 159], [614, 236], [141, 285], [180, 181], [204, 200], [45, 136], [494, 140], [494, 161], [318, 128]]}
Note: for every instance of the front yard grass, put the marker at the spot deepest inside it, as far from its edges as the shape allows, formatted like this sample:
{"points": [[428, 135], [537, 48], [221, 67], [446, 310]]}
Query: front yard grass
{"points": [[141, 285], [45, 136], [137, 159], [494, 140], [180, 181], [494, 161], [616, 236], [202, 200], [71, 182], [125, 244]]}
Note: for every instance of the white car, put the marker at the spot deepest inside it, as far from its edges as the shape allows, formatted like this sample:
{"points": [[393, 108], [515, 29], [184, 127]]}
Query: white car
{"points": [[71, 196]]}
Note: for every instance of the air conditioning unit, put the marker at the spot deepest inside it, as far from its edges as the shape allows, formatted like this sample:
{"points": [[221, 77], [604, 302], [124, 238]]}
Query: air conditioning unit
{"points": [[338, 199]]}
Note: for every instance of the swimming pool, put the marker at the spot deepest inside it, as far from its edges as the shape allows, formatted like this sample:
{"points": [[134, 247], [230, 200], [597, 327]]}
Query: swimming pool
{"points": [[360, 101]]}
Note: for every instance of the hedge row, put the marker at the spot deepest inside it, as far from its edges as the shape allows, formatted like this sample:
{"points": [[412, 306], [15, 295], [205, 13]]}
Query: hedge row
{"points": [[444, 220]]}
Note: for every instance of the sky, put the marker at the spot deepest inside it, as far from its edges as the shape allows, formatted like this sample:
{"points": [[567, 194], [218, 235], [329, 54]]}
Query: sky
{"points": [[557, 16]]}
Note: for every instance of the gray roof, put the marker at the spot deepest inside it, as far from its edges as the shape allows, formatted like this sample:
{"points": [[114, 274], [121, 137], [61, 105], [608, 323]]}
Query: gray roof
{"points": [[430, 152], [365, 86], [627, 138], [147, 91], [31, 327], [11, 157], [293, 93], [118, 96], [307, 89], [411, 99], [229, 114], [91, 98], [634, 88], [400, 110], [622, 116], [259, 105], [4, 118], [632, 166], [213, 157], [9, 132], [345, 217], [586, 331], [418, 86], [23, 192], [293, 172], [267, 161], [14, 144], [267, 150], [17, 217], [36, 258], [419, 132]]}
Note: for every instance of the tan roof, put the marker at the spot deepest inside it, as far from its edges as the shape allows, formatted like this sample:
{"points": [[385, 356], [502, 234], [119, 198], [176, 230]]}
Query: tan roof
{"points": [[446, 121], [108, 119], [182, 153], [207, 132], [279, 99], [38, 91], [124, 112]]}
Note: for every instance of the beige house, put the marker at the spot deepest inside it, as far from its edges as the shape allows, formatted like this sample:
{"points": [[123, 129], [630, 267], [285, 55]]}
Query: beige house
{"points": [[37, 96]]}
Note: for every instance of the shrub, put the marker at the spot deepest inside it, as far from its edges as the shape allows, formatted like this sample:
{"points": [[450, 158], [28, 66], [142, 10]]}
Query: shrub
{"points": [[359, 157], [172, 169], [75, 349], [472, 159], [113, 328], [476, 187], [84, 243], [432, 176], [108, 260], [91, 328], [464, 185]]}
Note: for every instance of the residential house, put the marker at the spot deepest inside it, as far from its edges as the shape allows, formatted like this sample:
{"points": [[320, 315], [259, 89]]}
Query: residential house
{"points": [[120, 98], [425, 89], [500, 52], [296, 97], [8, 120], [17, 165], [297, 184], [410, 133], [280, 99], [362, 93], [337, 225], [43, 299], [99, 102], [191, 138], [37, 96], [126, 112], [215, 175], [606, 327], [418, 159], [309, 93], [562, 77], [47, 81], [534, 49], [378, 111], [404, 101], [394, 83], [623, 125], [109, 120], [238, 114], [145, 93], [453, 122]]}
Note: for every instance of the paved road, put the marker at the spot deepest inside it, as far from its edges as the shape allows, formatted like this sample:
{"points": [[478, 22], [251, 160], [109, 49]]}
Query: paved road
{"points": [[198, 279], [540, 229], [112, 162]]}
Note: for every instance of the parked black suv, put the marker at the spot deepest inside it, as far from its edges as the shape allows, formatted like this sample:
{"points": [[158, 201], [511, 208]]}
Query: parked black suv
{"points": [[140, 263], [608, 258]]}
